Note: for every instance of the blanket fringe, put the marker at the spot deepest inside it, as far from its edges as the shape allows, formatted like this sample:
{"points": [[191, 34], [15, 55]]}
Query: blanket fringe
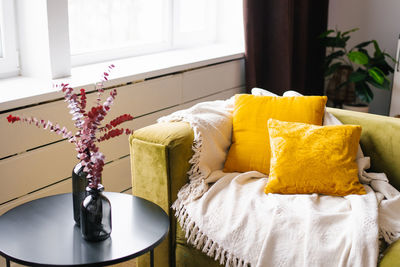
{"points": [[389, 235], [192, 191], [202, 242], [196, 187]]}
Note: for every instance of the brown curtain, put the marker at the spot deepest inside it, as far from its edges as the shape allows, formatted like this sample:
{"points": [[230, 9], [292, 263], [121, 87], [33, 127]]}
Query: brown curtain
{"points": [[282, 49]]}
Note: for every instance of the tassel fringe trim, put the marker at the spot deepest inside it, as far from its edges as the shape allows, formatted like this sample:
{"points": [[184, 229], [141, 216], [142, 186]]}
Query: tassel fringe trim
{"points": [[390, 236], [196, 186], [201, 241], [192, 191]]}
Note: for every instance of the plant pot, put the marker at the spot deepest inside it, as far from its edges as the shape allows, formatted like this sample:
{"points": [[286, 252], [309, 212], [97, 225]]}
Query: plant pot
{"points": [[338, 93], [95, 215], [79, 184], [357, 107]]}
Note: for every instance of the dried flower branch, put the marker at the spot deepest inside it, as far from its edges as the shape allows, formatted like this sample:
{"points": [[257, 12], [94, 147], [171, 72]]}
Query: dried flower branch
{"points": [[88, 124]]}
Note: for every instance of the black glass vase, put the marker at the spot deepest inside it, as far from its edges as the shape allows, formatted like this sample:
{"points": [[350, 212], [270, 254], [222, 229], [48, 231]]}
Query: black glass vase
{"points": [[79, 184], [95, 215]]}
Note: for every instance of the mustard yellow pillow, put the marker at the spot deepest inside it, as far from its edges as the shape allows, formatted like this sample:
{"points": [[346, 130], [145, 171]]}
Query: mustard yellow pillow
{"points": [[250, 149], [313, 159]]}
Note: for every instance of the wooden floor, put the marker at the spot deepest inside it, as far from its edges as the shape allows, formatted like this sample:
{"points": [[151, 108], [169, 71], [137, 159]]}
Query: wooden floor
{"points": [[131, 263]]}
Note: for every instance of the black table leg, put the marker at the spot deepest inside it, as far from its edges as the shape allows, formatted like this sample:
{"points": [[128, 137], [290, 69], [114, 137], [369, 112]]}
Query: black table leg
{"points": [[8, 262], [152, 258]]}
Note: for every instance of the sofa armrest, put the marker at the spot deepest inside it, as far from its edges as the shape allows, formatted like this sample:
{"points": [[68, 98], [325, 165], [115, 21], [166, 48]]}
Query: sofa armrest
{"points": [[391, 255], [160, 156]]}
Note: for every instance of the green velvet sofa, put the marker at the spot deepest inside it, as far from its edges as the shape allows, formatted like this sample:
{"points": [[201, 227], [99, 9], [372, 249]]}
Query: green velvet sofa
{"points": [[159, 162]]}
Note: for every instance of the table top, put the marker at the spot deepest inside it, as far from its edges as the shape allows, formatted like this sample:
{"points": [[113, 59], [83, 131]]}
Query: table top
{"points": [[43, 232]]}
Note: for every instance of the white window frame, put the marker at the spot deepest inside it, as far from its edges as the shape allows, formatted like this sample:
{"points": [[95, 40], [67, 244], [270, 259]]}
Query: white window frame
{"points": [[9, 60]]}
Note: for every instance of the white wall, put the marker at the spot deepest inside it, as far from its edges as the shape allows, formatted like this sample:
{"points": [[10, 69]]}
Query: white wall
{"points": [[395, 104], [377, 19]]}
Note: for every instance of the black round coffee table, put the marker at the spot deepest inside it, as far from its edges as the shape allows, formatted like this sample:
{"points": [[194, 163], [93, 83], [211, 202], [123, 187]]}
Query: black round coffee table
{"points": [[43, 232]]}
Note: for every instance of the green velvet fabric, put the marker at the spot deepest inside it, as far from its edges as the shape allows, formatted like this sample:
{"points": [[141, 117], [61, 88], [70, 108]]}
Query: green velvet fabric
{"points": [[160, 154], [391, 256], [191, 257], [380, 140], [159, 166], [186, 255]]}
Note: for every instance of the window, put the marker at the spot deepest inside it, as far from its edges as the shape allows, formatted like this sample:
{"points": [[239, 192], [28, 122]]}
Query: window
{"points": [[8, 49], [117, 28], [121, 28], [195, 22], [66, 33]]}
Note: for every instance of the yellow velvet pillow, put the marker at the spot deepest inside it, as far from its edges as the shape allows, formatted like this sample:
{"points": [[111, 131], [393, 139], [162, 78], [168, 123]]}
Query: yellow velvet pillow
{"points": [[250, 150], [309, 159]]}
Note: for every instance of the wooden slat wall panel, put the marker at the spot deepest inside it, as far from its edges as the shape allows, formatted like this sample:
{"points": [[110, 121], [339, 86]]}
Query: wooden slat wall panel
{"points": [[35, 169], [47, 167], [220, 96], [206, 81], [127, 191], [59, 188], [148, 96], [30, 136], [117, 178], [117, 175], [25, 136], [137, 99], [38, 168]]}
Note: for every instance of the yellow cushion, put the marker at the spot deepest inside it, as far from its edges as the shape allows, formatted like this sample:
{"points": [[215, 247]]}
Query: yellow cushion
{"points": [[250, 149], [313, 159]]}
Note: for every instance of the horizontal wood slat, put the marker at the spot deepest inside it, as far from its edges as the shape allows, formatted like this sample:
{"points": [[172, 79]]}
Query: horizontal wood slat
{"points": [[25, 136], [220, 96], [211, 80], [36, 169], [116, 178], [59, 188], [117, 175], [127, 191]]}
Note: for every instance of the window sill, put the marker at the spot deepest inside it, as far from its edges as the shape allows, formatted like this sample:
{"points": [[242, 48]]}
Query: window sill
{"points": [[24, 91]]}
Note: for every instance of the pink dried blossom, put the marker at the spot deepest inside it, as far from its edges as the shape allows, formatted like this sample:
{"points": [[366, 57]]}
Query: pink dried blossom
{"points": [[88, 123]]}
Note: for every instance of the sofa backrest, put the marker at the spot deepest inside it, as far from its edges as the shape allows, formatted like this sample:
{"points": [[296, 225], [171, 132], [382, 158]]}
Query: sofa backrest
{"points": [[380, 140]]}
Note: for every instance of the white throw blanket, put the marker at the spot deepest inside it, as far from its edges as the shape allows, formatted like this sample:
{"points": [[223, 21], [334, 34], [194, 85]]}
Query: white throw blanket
{"points": [[236, 223]]}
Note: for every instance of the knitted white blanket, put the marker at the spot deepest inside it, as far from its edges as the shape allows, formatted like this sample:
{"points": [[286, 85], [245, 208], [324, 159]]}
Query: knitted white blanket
{"points": [[229, 217]]}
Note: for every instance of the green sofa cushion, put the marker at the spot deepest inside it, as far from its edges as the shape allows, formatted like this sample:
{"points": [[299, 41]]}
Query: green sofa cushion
{"points": [[391, 256], [380, 140]]}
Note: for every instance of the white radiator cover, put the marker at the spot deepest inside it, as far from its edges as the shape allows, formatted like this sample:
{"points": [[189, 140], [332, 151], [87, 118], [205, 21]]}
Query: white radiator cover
{"points": [[35, 163]]}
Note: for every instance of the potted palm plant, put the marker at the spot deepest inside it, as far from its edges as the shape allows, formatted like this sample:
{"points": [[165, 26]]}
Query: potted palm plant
{"points": [[350, 73]]}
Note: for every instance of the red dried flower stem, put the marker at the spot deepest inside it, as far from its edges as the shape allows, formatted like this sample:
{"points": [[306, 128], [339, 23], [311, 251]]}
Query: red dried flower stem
{"points": [[114, 133], [115, 122], [42, 124], [88, 124]]}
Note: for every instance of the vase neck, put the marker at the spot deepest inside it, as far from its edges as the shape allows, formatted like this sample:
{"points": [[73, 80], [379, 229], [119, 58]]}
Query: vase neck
{"points": [[98, 190]]}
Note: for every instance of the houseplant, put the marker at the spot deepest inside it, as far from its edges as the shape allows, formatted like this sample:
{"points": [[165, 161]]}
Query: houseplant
{"points": [[89, 132], [351, 72]]}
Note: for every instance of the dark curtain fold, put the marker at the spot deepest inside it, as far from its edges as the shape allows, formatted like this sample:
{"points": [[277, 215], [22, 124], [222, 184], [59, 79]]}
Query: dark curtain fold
{"points": [[282, 49]]}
